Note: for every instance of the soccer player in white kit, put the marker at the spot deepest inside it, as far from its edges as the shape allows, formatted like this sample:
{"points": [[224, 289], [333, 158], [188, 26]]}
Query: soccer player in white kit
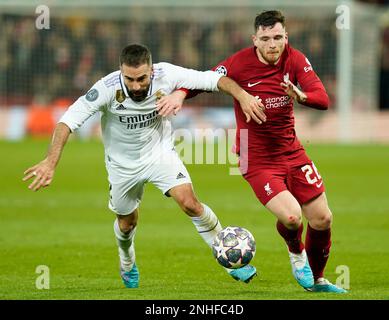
{"points": [[139, 145]]}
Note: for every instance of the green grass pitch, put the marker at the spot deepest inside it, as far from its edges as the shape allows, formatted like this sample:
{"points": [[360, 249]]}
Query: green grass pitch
{"points": [[68, 228]]}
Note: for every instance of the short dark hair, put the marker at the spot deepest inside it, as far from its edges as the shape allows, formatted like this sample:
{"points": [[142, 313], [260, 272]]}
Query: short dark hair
{"points": [[135, 55], [268, 19]]}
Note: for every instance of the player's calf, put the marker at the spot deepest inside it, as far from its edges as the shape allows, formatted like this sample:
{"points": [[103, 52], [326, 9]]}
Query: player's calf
{"points": [[186, 199], [207, 225], [192, 207], [126, 247]]}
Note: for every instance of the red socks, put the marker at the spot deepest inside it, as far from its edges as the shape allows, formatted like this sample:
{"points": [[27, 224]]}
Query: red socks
{"points": [[317, 246], [292, 237]]}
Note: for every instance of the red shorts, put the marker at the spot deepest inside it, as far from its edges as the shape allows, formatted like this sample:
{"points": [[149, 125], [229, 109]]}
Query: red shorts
{"points": [[303, 181]]}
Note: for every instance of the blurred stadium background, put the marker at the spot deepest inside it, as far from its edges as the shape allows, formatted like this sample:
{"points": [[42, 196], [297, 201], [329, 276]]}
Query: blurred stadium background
{"points": [[43, 71], [68, 226]]}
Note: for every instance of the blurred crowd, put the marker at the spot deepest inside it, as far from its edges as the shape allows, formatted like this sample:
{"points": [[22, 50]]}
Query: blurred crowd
{"points": [[67, 59], [41, 68], [384, 62], [384, 54]]}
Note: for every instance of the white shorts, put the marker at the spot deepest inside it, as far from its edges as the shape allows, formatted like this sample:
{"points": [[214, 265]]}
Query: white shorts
{"points": [[126, 196]]}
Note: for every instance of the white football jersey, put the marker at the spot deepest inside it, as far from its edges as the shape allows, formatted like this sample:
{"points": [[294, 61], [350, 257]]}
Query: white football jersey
{"points": [[133, 133]]}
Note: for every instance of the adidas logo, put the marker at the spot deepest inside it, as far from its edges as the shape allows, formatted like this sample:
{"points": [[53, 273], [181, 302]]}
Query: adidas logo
{"points": [[120, 107], [180, 176]]}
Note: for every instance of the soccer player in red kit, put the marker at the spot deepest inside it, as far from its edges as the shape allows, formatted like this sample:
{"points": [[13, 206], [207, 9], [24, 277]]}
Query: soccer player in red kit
{"points": [[283, 177]]}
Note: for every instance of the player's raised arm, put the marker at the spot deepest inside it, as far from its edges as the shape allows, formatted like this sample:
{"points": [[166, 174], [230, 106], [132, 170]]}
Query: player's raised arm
{"points": [[190, 79], [43, 172], [207, 81], [251, 106], [312, 93]]}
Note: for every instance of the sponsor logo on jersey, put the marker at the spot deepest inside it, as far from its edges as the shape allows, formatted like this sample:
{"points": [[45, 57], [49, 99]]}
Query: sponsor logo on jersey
{"points": [[120, 97], [309, 67], [221, 70], [92, 95], [267, 188], [138, 121], [277, 102]]}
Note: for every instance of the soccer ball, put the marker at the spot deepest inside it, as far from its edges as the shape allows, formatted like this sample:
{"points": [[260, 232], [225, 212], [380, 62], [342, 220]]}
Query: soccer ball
{"points": [[233, 247]]}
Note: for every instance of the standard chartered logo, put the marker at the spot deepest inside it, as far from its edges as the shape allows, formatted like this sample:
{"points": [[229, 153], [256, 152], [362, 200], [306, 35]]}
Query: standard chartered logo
{"points": [[277, 102]]}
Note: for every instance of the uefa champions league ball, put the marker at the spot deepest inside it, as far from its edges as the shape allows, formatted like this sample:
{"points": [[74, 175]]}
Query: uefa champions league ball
{"points": [[233, 247]]}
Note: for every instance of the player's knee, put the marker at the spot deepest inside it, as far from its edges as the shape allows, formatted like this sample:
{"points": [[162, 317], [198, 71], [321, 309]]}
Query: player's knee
{"points": [[128, 223], [127, 227], [292, 221], [322, 222], [292, 217]]}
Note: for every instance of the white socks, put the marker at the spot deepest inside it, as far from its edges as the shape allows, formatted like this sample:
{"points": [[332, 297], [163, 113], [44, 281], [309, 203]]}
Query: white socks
{"points": [[126, 247], [207, 225]]}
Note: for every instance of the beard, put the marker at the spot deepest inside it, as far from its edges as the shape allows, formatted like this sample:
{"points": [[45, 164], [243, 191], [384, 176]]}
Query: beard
{"points": [[271, 57], [139, 95]]}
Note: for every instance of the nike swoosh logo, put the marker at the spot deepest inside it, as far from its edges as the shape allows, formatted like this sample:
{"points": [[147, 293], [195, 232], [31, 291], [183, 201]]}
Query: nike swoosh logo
{"points": [[253, 84], [319, 184]]}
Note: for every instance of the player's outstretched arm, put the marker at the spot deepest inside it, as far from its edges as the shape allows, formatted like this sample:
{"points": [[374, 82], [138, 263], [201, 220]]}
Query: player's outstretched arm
{"points": [[251, 106], [312, 93], [43, 172]]}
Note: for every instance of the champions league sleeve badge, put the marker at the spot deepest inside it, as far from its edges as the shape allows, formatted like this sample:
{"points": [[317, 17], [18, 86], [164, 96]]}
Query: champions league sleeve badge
{"points": [[221, 70], [92, 95]]}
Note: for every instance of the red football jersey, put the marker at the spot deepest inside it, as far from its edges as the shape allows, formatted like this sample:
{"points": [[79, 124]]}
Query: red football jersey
{"points": [[274, 141]]}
